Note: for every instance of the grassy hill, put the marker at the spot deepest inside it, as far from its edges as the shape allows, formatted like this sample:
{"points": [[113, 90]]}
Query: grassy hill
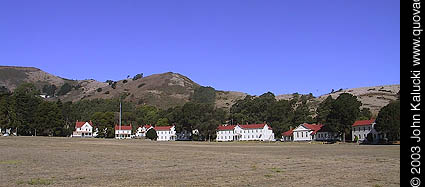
{"points": [[166, 89]]}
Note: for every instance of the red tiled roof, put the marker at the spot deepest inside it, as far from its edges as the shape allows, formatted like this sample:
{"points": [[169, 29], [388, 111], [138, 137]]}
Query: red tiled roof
{"points": [[254, 126], [288, 133], [314, 127], [226, 127], [162, 128], [147, 126], [363, 122], [79, 124], [123, 127]]}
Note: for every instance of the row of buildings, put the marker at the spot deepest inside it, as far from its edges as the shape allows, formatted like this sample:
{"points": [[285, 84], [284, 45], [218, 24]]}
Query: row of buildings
{"points": [[87, 129], [248, 132], [317, 132]]}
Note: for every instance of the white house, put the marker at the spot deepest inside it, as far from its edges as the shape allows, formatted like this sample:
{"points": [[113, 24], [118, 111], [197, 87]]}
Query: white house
{"points": [[225, 133], [312, 132], [287, 136], [362, 128], [141, 130], [165, 133], [124, 132], [83, 129], [260, 132]]}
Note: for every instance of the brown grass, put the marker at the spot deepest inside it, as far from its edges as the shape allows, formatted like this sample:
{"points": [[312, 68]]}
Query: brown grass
{"points": [[27, 161]]}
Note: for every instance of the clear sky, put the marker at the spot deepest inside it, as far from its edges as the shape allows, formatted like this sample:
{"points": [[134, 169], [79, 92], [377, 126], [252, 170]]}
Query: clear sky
{"points": [[253, 46]]}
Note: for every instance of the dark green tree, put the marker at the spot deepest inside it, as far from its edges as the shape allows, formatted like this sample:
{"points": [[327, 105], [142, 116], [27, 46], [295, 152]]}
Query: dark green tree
{"points": [[105, 122], [365, 114], [162, 122], [151, 134], [48, 120], [24, 101], [204, 94], [5, 110], [64, 89], [344, 112], [324, 109], [388, 120], [49, 89]]}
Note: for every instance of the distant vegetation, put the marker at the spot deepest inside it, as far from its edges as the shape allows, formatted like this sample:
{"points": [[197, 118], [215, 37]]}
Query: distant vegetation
{"points": [[138, 76], [49, 90], [204, 94], [64, 89]]}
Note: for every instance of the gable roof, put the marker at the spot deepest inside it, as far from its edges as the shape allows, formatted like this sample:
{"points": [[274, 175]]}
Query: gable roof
{"points": [[225, 127], [163, 128], [79, 124], [146, 126], [254, 126], [363, 122], [123, 127], [313, 127], [288, 133]]}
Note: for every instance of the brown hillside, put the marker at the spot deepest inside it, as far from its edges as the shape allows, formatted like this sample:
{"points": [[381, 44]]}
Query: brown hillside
{"points": [[168, 89]]}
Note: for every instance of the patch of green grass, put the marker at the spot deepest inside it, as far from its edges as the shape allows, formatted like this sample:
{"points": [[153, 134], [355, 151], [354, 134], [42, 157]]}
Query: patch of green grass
{"points": [[37, 181], [277, 170], [10, 162], [268, 175]]}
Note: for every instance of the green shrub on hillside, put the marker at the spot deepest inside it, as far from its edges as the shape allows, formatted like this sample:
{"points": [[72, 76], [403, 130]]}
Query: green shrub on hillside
{"points": [[64, 89]]}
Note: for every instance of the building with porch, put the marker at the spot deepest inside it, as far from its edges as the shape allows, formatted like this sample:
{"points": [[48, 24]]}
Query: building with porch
{"points": [[362, 128], [313, 132], [83, 129]]}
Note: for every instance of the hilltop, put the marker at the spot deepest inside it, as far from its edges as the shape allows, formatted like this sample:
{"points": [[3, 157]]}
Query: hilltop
{"points": [[166, 89]]}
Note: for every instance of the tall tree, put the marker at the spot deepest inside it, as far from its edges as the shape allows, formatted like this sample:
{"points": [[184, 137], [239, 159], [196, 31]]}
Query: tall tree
{"points": [[105, 122], [388, 120], [24, 102], [344, 112], [5, 111], [324, 109], [48, 120], [365, 114]]}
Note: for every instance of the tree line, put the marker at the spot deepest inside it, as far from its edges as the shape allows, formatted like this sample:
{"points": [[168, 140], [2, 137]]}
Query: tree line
{"points": [[24, 111]]}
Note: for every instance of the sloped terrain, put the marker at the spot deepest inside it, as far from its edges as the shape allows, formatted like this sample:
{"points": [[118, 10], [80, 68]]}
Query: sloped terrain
{"points": [[168, 89]]}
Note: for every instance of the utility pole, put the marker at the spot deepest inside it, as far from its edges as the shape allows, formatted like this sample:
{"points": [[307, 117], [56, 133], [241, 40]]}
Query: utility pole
{"points": [[120, 119]]}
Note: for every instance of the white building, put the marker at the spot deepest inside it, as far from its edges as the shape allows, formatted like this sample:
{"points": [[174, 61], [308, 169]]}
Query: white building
{"points": [[124, 132], [362, 128], [141, 131], [288, 136], [259, 132], [312, 132], [83, 129], [225, 133], [165, 133]]}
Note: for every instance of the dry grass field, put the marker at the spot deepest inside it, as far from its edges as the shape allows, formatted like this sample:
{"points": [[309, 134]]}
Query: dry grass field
{"points": [[38, 161]]}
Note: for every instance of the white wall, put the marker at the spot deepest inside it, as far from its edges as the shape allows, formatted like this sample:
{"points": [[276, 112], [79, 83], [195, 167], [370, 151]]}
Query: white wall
{"points": [[84, 131], [166, 135], [238, 133], [362, 131], [225, 135]]}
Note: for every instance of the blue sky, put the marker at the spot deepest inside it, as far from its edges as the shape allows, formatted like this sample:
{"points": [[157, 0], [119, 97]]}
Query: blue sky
{"points": [[241, 45]]}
